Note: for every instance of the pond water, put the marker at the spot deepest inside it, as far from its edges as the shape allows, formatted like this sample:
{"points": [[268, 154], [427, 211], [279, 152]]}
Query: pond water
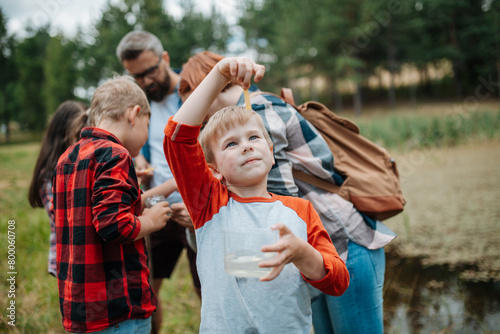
{"points": [[434, 300]]}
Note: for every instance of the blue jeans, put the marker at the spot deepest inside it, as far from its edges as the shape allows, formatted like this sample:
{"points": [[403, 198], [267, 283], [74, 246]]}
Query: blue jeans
{"points": [[136, 326], [360, 308]]}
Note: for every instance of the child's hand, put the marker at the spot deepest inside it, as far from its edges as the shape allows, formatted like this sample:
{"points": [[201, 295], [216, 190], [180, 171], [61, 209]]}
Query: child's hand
{"points": [[159, 214], [181, 216], [291, 248], [143, 170], [240, 70]]}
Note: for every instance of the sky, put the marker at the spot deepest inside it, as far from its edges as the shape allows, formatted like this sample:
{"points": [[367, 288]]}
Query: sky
{"points": [[67, 15]]}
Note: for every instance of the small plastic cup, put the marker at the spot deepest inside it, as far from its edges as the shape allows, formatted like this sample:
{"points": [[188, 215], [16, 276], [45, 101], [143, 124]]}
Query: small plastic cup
{"points": [[242, 253], [155, 199]]}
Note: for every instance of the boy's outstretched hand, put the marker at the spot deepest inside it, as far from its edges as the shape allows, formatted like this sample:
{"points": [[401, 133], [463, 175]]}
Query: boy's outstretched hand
{"points": [[291, 248], [234, 69], [240, 70]]}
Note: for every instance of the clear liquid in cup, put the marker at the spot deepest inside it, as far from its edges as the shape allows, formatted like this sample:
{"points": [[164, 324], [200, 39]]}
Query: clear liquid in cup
{"points": [[246, 263]]}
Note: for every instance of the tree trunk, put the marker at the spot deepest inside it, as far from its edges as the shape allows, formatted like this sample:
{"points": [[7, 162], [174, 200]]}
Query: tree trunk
{"points": [[357, 99], [391, 63], [495, 19], [7, 128], [413, 95], [337, 98], [457, 67]]}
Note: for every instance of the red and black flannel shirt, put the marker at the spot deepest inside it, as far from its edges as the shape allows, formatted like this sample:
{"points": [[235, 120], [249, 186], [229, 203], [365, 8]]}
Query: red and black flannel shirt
{"points": [[102, 272]]}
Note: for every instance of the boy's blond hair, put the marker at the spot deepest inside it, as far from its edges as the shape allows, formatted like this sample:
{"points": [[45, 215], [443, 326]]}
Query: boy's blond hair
{"points": [[221, 122], [113, 98]]}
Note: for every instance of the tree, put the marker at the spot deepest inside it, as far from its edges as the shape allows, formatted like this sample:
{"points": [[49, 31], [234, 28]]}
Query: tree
{"points": [[308, 39], [29, 60], [59, 71], [181, 38], [8, 82], [195, 32], [96, 49]]}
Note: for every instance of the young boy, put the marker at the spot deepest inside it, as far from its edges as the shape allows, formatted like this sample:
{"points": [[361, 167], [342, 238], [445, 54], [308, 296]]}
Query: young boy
{"points": [[102, 268], [229, 189]]}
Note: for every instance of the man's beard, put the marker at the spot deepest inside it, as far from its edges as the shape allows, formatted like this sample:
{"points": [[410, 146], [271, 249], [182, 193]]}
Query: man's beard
{"points": [[158, 89]]}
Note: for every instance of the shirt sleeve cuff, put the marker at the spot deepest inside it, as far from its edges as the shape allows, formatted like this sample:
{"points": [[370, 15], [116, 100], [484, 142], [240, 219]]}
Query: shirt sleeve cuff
{"points": [[181, 132], [321, 284], [137, 229]]}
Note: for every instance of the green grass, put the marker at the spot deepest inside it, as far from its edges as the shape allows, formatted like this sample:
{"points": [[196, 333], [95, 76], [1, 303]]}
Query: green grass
{"points": [[36, 291], [408, 131]]}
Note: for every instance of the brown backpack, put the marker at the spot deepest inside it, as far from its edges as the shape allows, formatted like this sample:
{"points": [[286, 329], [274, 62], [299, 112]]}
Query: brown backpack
{"points": [[371, 179]]}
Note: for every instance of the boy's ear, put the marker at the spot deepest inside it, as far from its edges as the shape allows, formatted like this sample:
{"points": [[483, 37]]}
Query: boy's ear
{"points": [[132, 114], [216, 172], [272, 153]]}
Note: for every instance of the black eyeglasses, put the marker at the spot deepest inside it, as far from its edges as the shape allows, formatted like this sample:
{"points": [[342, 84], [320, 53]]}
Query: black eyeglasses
{"points": [[150, 73]]}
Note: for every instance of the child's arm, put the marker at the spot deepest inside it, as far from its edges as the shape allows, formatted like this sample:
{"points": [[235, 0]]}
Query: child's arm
{"points": [[316, 258], [291, 248], [165, 189], [113, 191], [240, 70], [179, 212]]}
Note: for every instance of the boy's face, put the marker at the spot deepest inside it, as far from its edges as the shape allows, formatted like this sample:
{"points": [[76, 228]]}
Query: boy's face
{"points": [[242, 155]]}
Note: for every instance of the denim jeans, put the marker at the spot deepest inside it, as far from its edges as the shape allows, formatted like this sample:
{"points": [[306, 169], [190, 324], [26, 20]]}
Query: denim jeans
{"points": [[136, 326], [360, 308]]}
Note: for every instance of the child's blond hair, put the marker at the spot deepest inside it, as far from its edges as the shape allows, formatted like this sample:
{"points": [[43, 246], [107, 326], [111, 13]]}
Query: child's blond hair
{"points": [[221, 122], [113, 98]]}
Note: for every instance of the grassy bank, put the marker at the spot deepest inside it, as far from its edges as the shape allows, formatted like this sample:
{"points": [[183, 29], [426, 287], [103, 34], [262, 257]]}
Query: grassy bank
{"points": [[409, 131]]}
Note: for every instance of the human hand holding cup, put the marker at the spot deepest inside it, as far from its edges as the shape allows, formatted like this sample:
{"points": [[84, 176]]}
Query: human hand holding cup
{"points": [[155, 199], [242, 251]]}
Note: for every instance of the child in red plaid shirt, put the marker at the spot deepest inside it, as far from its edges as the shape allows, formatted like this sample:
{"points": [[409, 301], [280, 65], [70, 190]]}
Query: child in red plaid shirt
{"points": [[102, 267]]}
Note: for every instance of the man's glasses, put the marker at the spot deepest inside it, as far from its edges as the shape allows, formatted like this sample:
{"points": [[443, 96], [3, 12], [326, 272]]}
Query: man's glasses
{"points": [[150, 73]]}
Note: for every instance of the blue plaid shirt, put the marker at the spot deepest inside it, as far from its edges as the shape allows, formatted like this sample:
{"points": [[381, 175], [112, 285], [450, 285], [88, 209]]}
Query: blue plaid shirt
{"points": [[298, 145]]}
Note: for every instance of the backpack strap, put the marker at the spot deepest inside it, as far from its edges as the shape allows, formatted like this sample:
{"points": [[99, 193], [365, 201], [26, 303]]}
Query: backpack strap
{"points": [[315, 181], [286, 95]]}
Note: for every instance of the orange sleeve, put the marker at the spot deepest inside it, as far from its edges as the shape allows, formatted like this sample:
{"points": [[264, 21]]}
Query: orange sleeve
{"points": [[336, 280], [202, 193]]}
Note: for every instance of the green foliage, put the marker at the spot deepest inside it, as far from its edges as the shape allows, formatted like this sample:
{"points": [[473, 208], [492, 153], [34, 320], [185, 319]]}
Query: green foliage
{"points": [[8, 82], [353, 40], [30, 56], [194, 32], [336, 41], [97, 58], [59, 72], [41, 71]]}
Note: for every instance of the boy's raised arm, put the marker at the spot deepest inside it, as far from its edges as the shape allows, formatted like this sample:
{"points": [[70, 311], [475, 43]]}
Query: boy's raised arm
{"points": [[239, 70]]}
